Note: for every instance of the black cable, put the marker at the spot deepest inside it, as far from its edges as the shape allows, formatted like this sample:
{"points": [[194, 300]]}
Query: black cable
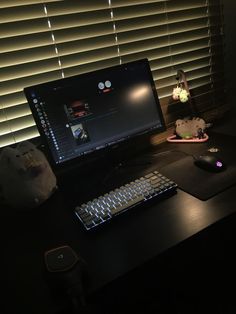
{"points": [[123, 165], [173, 151]]}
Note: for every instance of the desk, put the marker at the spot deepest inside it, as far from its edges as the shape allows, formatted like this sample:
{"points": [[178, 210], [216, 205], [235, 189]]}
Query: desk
{"points": [[111, 253]]}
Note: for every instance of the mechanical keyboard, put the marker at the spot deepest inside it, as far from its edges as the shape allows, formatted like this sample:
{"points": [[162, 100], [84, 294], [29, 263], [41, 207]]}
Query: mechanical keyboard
{"points": [[152, 186]]}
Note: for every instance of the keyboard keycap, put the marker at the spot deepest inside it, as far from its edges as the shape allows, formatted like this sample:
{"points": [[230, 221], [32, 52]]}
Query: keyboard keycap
{"points": [[99, 210]]}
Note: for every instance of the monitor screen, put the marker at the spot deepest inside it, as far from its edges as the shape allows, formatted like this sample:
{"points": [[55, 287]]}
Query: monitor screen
{"points": [[83, 114]]}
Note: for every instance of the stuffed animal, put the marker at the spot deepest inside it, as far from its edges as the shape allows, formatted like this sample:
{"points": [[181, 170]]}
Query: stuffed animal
{"points": [[193, 128], [26, 178], [180, 93]]}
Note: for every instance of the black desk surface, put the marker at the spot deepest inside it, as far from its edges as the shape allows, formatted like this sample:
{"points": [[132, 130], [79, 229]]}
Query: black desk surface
{"points": [[134, 239]]}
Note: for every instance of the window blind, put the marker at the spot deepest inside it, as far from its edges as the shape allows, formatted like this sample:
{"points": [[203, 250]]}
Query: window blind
{"points": [[47, 40]]}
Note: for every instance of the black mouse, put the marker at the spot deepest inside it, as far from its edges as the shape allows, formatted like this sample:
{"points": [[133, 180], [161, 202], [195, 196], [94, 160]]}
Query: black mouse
{"points": [[210, 163]]}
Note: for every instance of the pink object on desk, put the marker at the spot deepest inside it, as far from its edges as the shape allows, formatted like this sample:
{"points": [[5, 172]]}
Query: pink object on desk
{"points": [[173, 139]]}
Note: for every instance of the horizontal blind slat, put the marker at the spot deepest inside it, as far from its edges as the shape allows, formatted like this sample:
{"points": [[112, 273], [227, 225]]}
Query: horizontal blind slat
{"points": [[23, 28], [18, 124], [15, 43], [19, 84], [26, 69], [125, 3], [22, 13], [27, 56], [80, 19], [13, 99], [19, 3], [71, 7], [91, 66], [18, 136], [90, 56]]}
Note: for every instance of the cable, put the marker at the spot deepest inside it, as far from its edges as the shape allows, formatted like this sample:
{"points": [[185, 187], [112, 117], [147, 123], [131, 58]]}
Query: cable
{"points": [[173, 151], [123, 165]]}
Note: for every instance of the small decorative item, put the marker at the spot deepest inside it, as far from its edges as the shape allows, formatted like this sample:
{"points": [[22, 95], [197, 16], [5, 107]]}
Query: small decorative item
{"points": [[189, 130], [176, 92], [26, 178], [179, 93], [182, 93]]}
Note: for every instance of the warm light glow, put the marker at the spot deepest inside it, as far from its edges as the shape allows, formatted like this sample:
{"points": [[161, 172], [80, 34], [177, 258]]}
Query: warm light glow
{"points": [[138, 93]]}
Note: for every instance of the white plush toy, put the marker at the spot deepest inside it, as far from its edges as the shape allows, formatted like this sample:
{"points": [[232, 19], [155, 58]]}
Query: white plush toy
{"points": [[180, 93], [188, 129], [26, 178]]}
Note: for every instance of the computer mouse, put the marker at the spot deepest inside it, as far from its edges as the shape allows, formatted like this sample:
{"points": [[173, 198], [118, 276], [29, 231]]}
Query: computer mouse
{"points": [[210, 163]]}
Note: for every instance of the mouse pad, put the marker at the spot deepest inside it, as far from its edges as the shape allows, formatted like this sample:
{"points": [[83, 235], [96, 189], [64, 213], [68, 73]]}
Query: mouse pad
{"points": [[201, 183]]}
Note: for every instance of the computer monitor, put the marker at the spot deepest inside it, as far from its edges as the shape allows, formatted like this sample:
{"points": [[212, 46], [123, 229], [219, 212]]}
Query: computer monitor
{"points": [[81, 115]]}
